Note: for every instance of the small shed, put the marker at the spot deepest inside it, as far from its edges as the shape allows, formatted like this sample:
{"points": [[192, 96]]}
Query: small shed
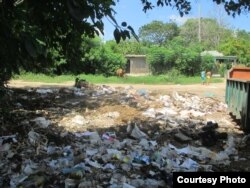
{"points": [[229, 61], [136, 64], [219, 57]]}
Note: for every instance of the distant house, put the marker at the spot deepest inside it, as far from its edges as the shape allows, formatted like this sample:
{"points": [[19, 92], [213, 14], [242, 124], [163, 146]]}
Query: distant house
{"points": [[136, 64], [220, 58]]}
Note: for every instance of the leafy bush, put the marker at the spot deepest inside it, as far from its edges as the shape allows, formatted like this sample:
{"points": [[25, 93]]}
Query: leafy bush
{"points": [[160, 60], [173, 75], [207, 62], [222, 69]]}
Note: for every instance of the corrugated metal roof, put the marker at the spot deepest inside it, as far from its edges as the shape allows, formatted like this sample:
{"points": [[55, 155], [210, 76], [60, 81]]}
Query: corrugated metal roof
{"points": [[212, 53], [133, 55]]}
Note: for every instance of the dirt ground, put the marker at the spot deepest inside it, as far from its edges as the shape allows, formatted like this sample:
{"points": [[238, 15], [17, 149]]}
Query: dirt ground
{"points": [[215, 90]]}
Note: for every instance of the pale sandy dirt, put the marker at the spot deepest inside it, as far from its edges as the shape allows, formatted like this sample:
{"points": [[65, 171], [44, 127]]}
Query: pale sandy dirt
{"points": [[215, 90]]}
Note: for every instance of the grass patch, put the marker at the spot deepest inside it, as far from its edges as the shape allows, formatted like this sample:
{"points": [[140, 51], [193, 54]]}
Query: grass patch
{"points": [[194, 80], [31, 77], [99, 79]]}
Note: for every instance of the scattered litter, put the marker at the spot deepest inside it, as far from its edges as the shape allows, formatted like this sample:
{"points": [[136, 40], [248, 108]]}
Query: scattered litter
{"points": [[44, 91], [109, 136], [56, 138], [12, 137], [79, 120], [137, 133], [181, 137], [42, 122]]}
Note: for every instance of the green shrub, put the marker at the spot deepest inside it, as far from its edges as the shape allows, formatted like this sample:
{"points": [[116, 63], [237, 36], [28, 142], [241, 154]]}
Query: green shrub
{"points": [[222, 69], [173, 75]]}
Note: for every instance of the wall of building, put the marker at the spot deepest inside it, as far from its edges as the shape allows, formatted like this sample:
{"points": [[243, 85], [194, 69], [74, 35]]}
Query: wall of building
{"points": [[138, 65]]}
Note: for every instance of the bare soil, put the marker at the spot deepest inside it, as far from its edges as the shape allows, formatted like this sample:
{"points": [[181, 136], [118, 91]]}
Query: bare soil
{"points": [[215, 90]]}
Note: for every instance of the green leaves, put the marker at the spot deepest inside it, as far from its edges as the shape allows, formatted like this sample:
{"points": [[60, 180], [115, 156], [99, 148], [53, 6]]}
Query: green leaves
{"points": [[75, 10], [133, 33], [124, 24], [158, 33], [30, 48], [124, 33], [117, 35]]}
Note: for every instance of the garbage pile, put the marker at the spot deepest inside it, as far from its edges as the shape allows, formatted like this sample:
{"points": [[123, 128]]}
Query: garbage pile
{"points": [[101, 136]]}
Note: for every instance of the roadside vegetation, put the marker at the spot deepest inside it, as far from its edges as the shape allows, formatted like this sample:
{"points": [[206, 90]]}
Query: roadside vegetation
{"points": [[100, 79], [174, 57]]}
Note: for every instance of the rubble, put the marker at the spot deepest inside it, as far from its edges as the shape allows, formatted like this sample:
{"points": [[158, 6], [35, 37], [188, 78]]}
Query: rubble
{"points": [[101, 136], [181, 137]]}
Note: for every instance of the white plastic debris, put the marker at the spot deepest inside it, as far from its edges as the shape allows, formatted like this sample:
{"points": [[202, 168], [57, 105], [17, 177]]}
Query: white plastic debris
{"points": [[244, 140], [112, 115], [126, 167], [29, 167], [167, 111], [13, 137], [165, 98], [17, 179], [137, 182], [35, 139], [230, 146], [223, 156], [19, 105], [91, 152], [114, 152], [190, 165], [108, 89], [42, 122], [109, 166], [177, 97], [220, 158], [86, 134], [144, 143], [137, 133], [154, 183], [187, 113], [80, 120], [149, 113], [69, 183], [44, 91], [94, 138], [94, 164], [152, 143], [78, 92], [5, 147], [125, 185], [53, 149], [117, 178]]}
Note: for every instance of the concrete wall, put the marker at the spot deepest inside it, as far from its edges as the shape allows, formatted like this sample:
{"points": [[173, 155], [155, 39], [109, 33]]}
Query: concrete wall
{"points": [[138, 65]]}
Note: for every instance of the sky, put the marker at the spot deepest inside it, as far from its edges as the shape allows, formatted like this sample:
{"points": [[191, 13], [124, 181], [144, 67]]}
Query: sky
{"points": [[131, 12]]}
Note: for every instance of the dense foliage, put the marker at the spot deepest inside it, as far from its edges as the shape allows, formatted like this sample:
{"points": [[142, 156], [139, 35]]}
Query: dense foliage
{"points": [[158, 32]]}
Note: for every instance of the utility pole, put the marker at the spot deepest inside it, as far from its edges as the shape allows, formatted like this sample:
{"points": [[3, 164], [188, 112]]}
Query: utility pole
{"points": [[199, 22]]}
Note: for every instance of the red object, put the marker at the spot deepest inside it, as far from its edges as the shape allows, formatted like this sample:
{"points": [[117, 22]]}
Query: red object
{"points": [[242, 73]]}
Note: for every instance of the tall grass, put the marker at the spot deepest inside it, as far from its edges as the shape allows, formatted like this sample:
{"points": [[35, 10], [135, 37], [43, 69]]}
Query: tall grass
{"points": [[99, 79]]}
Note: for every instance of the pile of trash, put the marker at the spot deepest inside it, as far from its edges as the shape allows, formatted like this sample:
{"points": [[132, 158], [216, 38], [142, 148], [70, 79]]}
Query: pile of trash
{"points": [[101, 136]]}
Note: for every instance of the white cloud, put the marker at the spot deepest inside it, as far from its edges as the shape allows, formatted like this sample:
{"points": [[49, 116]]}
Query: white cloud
{"points": [[178, 19]]}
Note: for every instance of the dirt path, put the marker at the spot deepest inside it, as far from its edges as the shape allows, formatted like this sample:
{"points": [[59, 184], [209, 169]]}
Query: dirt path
{"points": [[215, 90]]}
